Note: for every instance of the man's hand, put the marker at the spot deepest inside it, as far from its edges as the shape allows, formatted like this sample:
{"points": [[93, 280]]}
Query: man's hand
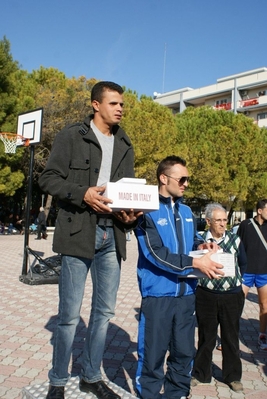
{"points": [[127, 217], [207, 266], [94, 198], [210, 246]]}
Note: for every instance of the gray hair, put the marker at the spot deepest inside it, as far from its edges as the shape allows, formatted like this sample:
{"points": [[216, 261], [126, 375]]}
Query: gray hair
{"points": [[212, 207]]}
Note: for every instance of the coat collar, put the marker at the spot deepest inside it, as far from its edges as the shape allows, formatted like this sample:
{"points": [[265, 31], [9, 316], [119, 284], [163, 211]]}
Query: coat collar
{"points": [[117, 131]]}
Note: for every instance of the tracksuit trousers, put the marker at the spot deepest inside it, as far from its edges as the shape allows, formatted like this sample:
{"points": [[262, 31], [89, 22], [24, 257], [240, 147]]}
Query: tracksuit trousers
{"points": [[166, 324]]}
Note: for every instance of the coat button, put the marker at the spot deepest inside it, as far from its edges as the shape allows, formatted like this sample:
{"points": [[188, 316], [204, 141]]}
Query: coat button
{"points": [[69, 219]]}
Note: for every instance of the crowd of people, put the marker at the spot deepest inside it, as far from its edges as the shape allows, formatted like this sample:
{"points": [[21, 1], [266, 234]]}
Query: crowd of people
{"points": [[179, 291], [11, 223], [14, 223]]}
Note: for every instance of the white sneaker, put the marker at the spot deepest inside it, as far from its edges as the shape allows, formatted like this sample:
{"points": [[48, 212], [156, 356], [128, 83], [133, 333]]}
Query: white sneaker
{"points": [[236, 386], [262, 342], [195, 382]]}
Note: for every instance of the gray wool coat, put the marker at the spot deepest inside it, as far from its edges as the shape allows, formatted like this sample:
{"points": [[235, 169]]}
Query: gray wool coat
{"points": [[72, 167]]}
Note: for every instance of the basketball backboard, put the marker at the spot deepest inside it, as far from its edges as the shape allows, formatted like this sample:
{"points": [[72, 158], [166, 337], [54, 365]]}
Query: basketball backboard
{"points": [[30, 126]]}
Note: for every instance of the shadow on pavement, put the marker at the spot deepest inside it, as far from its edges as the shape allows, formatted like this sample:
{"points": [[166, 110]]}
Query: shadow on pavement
{"points": [[118, 360], [252, 297]]}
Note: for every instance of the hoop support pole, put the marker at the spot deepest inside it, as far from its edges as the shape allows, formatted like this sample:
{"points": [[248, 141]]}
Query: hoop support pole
{"points": [[28, 208]]}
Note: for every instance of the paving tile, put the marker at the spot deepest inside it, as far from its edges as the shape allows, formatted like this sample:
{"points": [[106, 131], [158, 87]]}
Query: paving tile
{"points": [[28, 317]]}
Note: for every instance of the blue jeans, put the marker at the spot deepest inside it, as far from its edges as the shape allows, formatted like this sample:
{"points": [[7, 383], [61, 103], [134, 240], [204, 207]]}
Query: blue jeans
{"points": [[105, 274]]}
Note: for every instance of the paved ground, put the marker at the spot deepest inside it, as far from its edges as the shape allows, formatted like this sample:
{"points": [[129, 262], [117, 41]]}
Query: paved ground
{"points": [[28, 319]]}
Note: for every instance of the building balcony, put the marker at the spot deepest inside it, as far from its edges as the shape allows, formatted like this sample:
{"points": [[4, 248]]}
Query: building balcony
{"points": [[225, 106], [249, 103], [262, 122], [262, 100]]}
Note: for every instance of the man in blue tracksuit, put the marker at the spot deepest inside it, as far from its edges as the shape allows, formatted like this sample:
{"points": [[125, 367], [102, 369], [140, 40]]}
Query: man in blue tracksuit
{"points": [[167, 320]]}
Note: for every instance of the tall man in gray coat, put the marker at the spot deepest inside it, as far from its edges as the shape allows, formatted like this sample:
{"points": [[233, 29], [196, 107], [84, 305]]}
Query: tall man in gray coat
{"points": [[88, 234]]}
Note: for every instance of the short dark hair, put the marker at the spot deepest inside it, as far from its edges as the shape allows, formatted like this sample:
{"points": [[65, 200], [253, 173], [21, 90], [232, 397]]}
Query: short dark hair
{"points": [[99, 88], [167, 163], [261, 204]]}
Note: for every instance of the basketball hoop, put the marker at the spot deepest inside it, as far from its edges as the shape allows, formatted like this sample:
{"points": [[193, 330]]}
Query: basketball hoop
{"points": [[11, 140]]}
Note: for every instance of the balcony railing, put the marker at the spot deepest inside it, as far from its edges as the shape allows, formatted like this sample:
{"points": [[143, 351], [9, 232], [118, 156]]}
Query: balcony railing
{"points": [[250, 102], [225, 106]]}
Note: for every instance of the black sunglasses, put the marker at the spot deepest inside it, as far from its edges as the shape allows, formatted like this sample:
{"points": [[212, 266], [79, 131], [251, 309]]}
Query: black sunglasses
{"points": [[180, 180]]}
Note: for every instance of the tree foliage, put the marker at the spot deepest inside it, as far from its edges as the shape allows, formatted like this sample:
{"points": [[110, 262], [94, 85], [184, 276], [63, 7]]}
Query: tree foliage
{"points": [[225, 152], [151, 128], [11, 178], [225, 161], [64, 101], [8, 98]]}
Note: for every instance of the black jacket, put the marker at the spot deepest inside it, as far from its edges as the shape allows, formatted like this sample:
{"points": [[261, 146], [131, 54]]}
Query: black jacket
{"points": [[73, 166], [255, 250], [41, 218]]}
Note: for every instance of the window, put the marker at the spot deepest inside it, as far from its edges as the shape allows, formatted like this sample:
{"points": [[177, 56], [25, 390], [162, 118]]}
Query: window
{"points": [[220, 102], [262, 115]]}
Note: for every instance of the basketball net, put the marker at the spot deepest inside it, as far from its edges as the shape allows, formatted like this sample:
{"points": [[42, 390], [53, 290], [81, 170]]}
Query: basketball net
{"points": [[11, 140]]}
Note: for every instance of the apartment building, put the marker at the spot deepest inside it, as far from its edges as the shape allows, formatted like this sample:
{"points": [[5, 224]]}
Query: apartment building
{"points": [[241, 93]]}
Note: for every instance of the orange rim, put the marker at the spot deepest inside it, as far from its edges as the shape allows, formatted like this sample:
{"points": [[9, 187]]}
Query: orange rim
{"points": [[14, 136]]}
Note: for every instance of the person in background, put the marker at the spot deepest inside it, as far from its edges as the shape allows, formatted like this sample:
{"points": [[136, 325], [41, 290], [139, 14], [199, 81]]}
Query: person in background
{"points": [[220, 302], [19, 224], [41, 225], [2, 228], [253, 233], [85, 156], [128, 235], [235, 226], [167, 314], [10, 224]]}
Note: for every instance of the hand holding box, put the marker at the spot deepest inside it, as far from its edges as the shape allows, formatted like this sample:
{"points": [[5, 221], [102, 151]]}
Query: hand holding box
{"points": [[224, 258], [130, 193]]}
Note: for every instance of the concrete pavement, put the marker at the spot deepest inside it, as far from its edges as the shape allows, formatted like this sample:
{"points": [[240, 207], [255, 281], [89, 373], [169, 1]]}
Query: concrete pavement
{"points": [[28, 314]]}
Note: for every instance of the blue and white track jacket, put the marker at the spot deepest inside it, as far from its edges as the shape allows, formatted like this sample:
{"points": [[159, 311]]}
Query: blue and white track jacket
{"points": [[165, 238]]}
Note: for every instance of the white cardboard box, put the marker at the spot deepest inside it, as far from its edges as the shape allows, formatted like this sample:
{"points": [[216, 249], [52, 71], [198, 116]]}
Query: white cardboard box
{"points": [[130, 193], [225, 259]]}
